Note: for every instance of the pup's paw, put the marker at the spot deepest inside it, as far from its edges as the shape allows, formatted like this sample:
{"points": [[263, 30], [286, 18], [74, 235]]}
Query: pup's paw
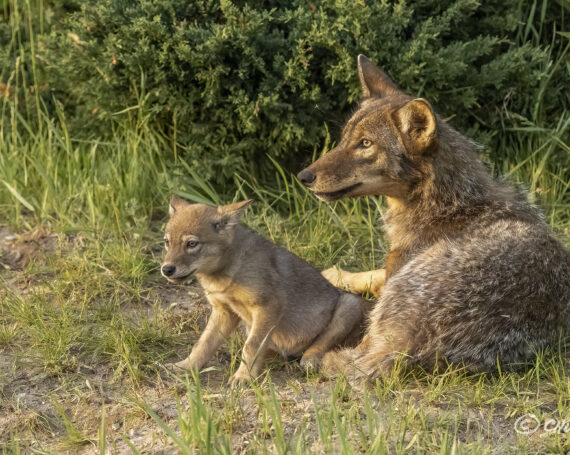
{"points": [[182, 367], [240, 377], [311, 362]]}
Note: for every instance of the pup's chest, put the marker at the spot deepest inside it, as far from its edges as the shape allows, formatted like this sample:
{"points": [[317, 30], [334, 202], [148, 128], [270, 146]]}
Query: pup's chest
{"points": [[239, 299]]}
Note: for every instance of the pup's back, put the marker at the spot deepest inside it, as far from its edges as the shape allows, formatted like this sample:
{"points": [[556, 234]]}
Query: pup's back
{"points": [[305, 297]]}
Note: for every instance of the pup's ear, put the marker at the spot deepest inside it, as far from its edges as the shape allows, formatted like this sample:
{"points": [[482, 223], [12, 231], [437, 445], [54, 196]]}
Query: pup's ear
{"points": [[373, 81], [176, 202], [230, 215], [418, 125]]}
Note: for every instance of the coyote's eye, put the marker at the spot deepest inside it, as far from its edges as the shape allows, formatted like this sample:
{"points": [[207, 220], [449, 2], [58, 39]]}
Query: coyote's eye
{"points": [[166, 243], [191, 244], [365, 143]]}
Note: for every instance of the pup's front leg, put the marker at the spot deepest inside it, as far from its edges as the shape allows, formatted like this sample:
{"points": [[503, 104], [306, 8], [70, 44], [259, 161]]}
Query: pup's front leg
{"points": [[221, 324], [256, 346]]}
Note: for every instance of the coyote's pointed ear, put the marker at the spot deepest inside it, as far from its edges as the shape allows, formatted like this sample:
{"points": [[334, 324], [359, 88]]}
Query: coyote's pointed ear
{"points": [[373, 81], [230, 214], [418, 125], [176, 202]]}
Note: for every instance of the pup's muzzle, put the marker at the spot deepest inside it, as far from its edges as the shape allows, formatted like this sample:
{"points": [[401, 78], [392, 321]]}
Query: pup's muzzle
{"points": [[168, 270]]}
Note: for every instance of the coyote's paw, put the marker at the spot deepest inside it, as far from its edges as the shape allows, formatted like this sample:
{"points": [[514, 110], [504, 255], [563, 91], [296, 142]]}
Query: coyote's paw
{"points": [[340, 362], [334, 275]]}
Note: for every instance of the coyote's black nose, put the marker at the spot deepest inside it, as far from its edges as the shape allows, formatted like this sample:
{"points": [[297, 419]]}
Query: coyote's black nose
{"points": [[306, 177], [168, 270]]}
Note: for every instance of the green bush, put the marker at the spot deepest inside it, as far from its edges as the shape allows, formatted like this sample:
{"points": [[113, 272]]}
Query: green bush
{"points": [[229, 82]]}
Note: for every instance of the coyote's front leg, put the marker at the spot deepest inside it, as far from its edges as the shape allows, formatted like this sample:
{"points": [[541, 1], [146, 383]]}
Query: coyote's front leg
{"points": [[221, 324], [256, 345], [357, 283]]}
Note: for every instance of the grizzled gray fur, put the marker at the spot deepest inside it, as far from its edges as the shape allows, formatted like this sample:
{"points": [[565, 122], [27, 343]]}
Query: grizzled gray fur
{"points": [[474, 274]]}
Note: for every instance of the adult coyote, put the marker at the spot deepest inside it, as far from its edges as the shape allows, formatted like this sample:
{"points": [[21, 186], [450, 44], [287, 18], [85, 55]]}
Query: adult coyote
{"points": [[473, 274]]}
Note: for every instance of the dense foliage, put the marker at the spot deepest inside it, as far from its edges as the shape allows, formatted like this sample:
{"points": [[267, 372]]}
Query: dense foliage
{"points": [[229, 82]]}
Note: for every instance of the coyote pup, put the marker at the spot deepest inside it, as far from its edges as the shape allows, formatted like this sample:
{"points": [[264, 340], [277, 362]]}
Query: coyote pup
{"points": [[287, 306]]}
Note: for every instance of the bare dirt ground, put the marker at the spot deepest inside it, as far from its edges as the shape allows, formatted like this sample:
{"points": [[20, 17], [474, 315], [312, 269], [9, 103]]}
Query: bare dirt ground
{"points": [[69, 407]]}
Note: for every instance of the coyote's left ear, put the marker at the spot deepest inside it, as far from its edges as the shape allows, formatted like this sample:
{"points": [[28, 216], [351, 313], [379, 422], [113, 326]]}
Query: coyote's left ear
{"points": [[417, 123], [231, 214]]}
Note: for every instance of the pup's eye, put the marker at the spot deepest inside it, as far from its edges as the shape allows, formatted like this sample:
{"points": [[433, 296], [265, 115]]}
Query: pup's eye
{"points": [[191, 244], [166, 243], [365, 143]]}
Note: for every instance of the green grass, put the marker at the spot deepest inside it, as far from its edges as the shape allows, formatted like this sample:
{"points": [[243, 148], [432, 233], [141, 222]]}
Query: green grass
{"points": [[89, 317], [86, 324]]}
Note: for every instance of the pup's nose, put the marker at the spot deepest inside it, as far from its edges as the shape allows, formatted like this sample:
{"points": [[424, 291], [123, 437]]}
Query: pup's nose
{"points": [[306, 177], [168, 270]]}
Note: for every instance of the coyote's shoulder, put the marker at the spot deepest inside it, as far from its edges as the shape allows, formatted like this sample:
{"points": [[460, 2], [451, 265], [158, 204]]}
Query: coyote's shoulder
{"points": [[474, 273]]}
